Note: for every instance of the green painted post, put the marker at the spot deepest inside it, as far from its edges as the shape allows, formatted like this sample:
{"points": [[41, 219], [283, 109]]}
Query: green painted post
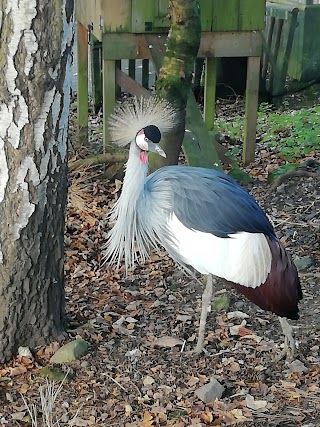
{"points": [[82, 58], [109, 94], [210, 91], [251, 109]]}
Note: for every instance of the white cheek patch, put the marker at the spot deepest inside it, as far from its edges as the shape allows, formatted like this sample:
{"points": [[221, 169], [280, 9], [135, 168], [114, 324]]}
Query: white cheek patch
{"points": [[141, 142]]}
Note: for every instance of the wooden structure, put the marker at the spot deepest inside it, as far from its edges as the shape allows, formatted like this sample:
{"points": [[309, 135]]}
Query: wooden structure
{"points": [[280, 29], [137, 29], [292, 42]]}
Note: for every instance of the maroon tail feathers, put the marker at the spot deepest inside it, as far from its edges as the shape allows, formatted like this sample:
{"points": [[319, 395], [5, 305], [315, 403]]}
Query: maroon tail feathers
{"points": [[281, 292]]}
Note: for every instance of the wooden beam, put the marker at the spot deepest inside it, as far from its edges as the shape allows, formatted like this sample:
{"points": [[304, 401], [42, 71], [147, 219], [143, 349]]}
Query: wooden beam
{"points": [[251, 109], [157, 49], [82, 65], [130, 85], [219, 45], [124, 46], [230, 44]]}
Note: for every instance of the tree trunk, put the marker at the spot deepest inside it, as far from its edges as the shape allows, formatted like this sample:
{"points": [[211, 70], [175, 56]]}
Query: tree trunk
{"points": [[35, 76], [175, 76]]}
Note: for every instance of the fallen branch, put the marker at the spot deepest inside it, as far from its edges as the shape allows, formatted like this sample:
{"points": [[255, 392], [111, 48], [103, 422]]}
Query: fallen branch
{"points": [[116, 157], [291, 174]]}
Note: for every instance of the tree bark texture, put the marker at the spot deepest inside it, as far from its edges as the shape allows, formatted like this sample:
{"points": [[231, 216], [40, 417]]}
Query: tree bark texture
{"points": [[175, 76], [35, 77]]}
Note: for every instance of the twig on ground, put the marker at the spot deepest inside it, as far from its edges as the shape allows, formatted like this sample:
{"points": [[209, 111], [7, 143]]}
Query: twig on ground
{"points": [[291, 174]]}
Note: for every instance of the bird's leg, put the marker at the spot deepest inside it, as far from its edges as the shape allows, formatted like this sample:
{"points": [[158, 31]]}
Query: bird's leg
{"points": [[206, 304], [289, 344]]}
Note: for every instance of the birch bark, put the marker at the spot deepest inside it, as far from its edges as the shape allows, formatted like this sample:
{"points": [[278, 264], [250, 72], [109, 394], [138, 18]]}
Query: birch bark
{"points": [[35, 77]]}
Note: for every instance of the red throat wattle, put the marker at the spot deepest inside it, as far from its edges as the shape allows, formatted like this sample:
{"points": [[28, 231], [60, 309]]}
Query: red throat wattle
{"points": [[143, 156]]}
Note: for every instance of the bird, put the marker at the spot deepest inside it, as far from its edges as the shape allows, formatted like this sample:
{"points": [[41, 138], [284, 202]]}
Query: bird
{"points": [[204, 220]]}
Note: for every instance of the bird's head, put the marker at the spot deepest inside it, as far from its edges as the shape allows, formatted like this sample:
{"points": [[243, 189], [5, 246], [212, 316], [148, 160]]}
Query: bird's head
{"points": [[147, 139]]}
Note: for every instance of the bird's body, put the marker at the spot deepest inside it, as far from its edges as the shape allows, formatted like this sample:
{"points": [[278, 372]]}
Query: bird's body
{"points": [[204, 219]]}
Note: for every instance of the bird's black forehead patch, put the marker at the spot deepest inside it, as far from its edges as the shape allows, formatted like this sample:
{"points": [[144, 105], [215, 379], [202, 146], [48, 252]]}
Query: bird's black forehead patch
{"points": [[153, 133]]}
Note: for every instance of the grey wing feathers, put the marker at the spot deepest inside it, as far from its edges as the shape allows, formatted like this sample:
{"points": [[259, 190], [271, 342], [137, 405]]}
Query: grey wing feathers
{"points": [[209, 201]]}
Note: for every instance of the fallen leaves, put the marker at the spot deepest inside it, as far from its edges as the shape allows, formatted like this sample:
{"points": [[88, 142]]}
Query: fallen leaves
{"points": [[142, 327]]}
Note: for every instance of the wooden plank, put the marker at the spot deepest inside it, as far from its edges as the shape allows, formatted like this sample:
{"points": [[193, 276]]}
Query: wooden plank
{"points": [[143, 15], [225, 15], [251, 15], [82, 52], [210, 91], [156, 43], [206, 14], [130, 85], [251, 109], [116, 16], [124, 46], [88, 13], [109, 94], [96, 72], [220, 44], [230, 44]]}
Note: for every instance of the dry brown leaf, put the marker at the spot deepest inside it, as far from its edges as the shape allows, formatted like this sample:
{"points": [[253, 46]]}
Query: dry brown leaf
{"points": [[167, 341], [255, 404]]}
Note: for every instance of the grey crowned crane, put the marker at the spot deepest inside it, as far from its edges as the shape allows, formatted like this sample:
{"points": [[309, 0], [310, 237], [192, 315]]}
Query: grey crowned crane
{"points": [[200, 216]]}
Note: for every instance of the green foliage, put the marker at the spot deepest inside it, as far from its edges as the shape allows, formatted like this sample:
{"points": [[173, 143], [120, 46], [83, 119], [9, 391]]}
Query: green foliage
{"points": [[292, 134]]}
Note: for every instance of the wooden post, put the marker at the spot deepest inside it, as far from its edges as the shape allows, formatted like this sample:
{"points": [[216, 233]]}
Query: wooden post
{"points": [[210, 91], [96, 72], [251, 110], [82, 52], [109, 94]]}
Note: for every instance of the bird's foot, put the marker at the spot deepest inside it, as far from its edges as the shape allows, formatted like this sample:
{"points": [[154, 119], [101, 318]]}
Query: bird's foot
{"points": [[199, 348], [289, 346], [288, 350]]}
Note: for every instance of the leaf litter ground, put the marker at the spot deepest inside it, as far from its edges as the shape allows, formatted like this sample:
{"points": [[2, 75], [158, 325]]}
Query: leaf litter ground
{"points": [[140, 370]]}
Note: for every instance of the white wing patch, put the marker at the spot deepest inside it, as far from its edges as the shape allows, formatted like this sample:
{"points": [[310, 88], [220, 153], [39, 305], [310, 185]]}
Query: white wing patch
{"points": [[244, 258]]}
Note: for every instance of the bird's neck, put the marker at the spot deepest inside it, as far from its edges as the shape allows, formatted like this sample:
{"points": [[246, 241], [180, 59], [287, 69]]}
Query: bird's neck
{"points": [[136, 172]]}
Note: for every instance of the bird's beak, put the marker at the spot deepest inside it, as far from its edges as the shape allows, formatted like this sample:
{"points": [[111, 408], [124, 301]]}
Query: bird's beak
{"points": [[160, 151], [155, 148]]}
